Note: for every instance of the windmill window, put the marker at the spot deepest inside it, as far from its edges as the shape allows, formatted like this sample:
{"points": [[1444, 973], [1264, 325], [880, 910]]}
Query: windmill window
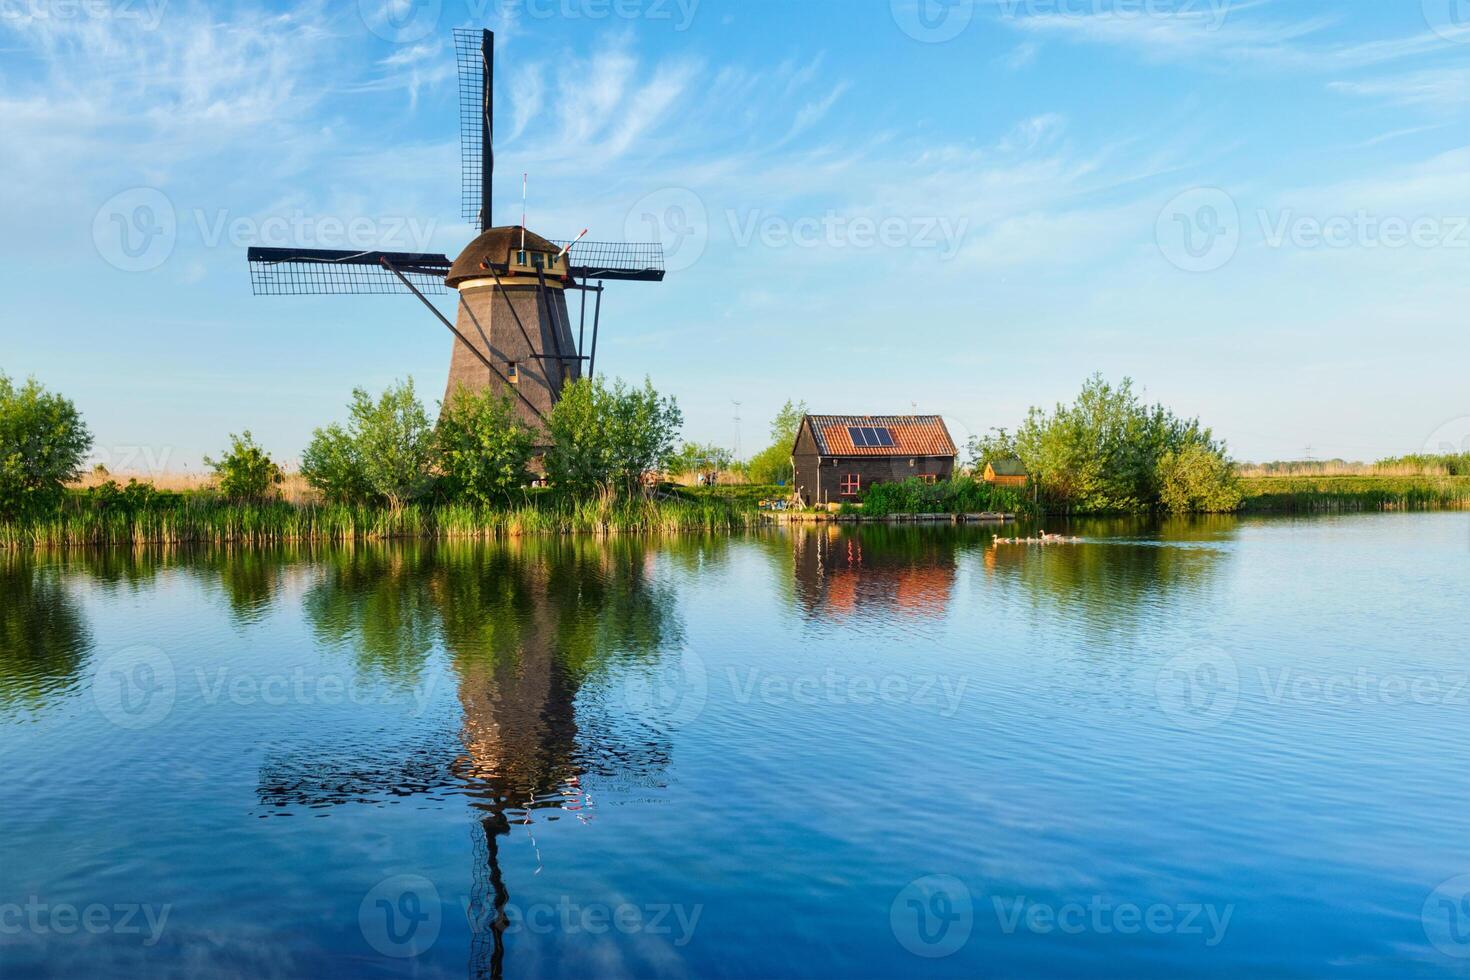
{"points": [[513, 375], [520, 258], [851, 484]]}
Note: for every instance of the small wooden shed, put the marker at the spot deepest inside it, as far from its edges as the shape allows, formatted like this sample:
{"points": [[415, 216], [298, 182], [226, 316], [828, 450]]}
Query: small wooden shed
{"points": [[837, 457], [1006, 472]]}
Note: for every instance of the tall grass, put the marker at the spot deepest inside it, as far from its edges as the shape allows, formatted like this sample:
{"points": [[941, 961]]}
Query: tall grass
{"points": [[212, 521], [1332, 494]]}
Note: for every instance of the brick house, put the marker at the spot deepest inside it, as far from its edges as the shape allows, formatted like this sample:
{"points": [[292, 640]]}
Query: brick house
{"points": [[837, 457]]}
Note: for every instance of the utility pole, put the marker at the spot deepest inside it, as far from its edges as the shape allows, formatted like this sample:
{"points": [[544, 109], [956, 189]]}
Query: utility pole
{"points": [[737, 430]]}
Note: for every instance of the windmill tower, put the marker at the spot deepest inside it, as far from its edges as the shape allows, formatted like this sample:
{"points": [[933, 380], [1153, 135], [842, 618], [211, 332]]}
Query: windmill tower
{"points": [[513, 330]]}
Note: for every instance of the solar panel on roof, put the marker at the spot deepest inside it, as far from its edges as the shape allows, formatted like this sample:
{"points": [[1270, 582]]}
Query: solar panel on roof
{"points": [[857, 435], [882, 437]]}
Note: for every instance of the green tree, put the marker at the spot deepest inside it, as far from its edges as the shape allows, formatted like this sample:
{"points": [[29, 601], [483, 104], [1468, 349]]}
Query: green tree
{"points": [[701, 457], [1102, 452], [773, 464], [997, 444], [245, 472], [1194, 479], [605, 438], [385, 452], [43, 441], [483, 446], [333, 466]]}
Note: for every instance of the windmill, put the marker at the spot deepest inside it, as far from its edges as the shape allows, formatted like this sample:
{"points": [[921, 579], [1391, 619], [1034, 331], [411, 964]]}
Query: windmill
{"points": [[513, 330]]}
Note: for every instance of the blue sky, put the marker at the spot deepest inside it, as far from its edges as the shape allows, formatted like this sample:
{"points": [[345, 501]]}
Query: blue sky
{"points": [[1258, 210]]}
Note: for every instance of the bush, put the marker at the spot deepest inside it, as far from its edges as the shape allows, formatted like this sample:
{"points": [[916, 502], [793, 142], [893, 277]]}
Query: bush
{"points": [[43, 441], [961, 495], [483, 447], [1195, 480], [1103, 453], [604, 439], [332, 466], [385, 453], [245, 473]]}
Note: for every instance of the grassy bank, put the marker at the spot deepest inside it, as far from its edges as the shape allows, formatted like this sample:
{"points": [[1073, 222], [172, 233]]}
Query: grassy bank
{"points": [[204, 520], [1340, 494]]}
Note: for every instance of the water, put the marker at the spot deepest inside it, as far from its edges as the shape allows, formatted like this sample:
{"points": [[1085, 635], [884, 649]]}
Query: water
{"points": [[1205, 747]]}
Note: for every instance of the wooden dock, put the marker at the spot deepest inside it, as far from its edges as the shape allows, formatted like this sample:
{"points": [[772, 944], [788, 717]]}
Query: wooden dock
{"points": [[832, 517]]}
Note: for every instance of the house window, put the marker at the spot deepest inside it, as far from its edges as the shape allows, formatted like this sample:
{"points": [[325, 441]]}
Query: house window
{"points": [[851, 484], [929, 478]]}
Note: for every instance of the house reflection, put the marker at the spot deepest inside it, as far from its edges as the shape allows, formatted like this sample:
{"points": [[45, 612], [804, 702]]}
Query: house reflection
{"points": [[525, 627], [854, 571]]}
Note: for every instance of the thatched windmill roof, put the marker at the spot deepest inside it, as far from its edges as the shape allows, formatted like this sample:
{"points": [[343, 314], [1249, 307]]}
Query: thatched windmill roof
{"points": [[491, 248]]}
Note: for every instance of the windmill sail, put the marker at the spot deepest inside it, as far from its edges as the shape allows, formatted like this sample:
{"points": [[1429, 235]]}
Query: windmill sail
{"points": [[474, 52]]}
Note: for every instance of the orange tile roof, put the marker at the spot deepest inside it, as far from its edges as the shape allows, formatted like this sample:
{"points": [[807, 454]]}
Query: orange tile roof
{"points": [[913, 435]]}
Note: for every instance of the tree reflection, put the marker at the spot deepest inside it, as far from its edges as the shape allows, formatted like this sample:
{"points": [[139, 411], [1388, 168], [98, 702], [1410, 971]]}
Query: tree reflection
{"points": [[524, 625], [44, 640]]}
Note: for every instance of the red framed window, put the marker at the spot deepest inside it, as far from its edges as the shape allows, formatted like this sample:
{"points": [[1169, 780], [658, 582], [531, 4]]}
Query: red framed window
{"points": [[851, 484]]}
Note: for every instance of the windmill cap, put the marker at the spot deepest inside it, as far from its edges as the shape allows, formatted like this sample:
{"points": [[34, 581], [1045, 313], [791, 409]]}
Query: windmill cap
{"points": [[493, 247]]}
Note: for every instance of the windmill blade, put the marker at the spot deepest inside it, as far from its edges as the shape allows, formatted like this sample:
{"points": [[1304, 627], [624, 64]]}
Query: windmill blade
{"points": [[474, 52], [305, 271], [624, 261]]}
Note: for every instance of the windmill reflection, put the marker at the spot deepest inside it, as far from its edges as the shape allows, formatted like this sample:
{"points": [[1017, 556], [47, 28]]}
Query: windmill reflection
{"points": [[877, 570], [524, 626]]}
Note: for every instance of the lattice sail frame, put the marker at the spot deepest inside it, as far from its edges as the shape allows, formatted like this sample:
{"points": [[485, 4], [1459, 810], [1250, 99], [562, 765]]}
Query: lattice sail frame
{"points": [[473, 111]]}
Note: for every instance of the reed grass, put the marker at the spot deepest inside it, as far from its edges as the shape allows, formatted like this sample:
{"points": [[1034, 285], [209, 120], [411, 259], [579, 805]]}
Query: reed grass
{"points": [[1340, 494], [204, 520]]}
